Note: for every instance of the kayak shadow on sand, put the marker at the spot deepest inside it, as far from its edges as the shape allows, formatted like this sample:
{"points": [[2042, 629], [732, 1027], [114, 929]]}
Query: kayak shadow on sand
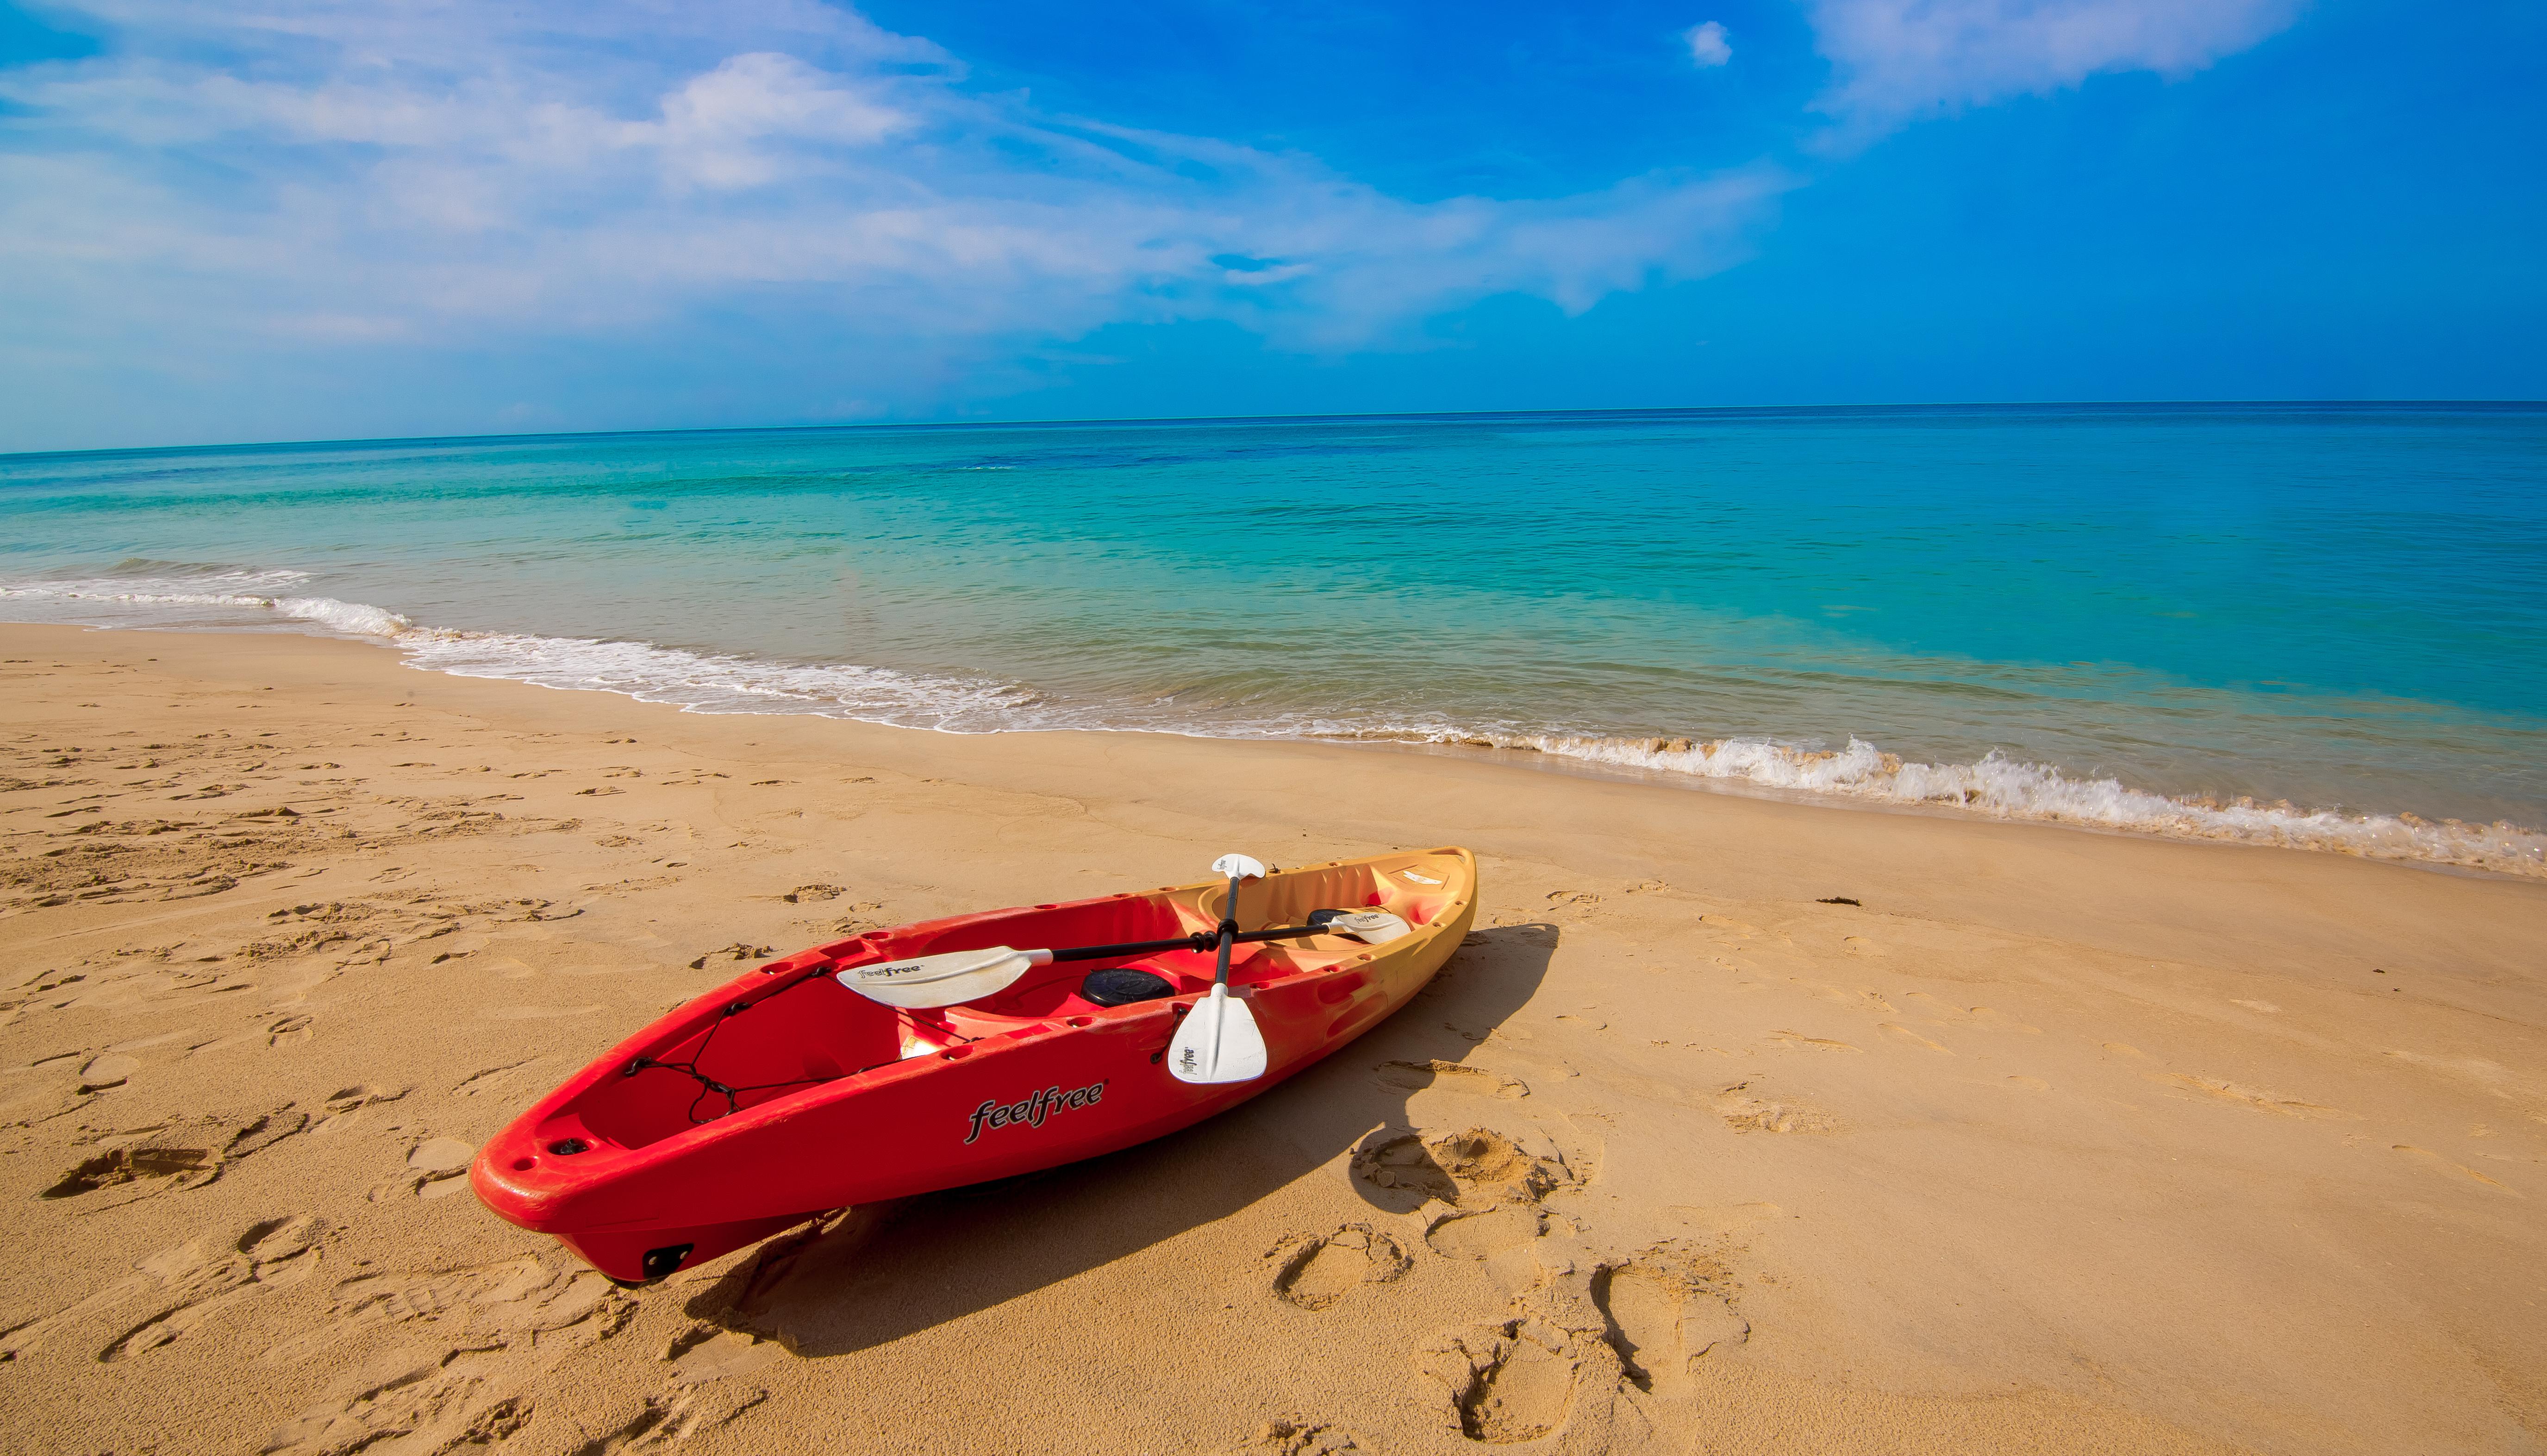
{"points": [[873, 1275]]}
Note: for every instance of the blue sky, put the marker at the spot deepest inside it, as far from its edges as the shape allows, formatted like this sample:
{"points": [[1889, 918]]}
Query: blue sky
{"points": [[280, 220]]}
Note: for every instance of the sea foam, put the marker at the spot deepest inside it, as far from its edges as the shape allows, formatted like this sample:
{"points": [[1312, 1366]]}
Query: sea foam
{"points": [[1995, 786], [2001, 787]]}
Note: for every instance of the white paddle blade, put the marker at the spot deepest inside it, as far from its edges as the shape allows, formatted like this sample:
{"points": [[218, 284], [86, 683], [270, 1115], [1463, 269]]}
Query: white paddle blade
{"points": [[942, 981], [1372, 927], [1217, 1042], [1237, 867]]}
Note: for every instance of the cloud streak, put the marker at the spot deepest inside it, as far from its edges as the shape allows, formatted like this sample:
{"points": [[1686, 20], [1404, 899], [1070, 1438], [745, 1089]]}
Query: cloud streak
{"points": [[1895, 62]]}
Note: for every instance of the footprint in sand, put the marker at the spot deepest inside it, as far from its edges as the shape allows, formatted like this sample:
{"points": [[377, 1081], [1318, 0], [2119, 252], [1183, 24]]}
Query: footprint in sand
{"points": [[203, 1275], [274, 1255], [510, 1297], [1666, 1310], [1507, 1382], [434, 1169], [1401, 1171], [21, 1340], [1476, 1169], [172, 1157], [344, 1107], [1314, 1272], [1482, 1235], [705, 1352], [1746, 1112], [160, 1165], [426, 1398], [1450, 1077]]}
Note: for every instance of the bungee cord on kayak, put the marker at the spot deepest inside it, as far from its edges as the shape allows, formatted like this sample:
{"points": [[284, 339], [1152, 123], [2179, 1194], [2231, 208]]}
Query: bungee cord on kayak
{"points": [[690, 1067]]}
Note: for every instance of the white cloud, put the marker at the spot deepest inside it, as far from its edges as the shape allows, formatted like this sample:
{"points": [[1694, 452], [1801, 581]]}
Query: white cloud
{"points": [[1707, 43], [1898, 60], [464, 173]]}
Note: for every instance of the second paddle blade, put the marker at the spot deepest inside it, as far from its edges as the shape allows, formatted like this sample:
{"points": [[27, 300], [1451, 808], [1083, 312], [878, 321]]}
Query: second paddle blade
{"points": [[1217, 1042], [1372, 927], [949, 980]]}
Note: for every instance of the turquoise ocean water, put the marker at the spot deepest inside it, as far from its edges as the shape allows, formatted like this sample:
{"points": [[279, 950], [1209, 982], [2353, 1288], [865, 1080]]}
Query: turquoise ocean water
{"points": [[2323, 626]]}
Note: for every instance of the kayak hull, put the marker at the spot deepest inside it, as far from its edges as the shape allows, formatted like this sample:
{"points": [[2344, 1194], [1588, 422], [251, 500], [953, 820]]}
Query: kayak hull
{"points": [[782, 1095]]}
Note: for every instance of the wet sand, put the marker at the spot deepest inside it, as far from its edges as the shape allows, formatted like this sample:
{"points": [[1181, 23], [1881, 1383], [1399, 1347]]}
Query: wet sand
{"points": [[2050, 1140]]}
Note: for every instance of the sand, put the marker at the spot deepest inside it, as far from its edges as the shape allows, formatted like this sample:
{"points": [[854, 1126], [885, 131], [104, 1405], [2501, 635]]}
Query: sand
{"points": [[2050, 1140]]}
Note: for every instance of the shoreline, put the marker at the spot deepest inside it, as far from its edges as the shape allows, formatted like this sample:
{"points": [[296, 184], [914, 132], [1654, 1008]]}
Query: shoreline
{"points": [[2050, 1140], [1995, 788]]}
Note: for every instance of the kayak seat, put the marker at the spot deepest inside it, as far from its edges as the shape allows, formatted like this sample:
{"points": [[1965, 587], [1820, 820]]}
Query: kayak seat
{"points": [[1124, 985]]}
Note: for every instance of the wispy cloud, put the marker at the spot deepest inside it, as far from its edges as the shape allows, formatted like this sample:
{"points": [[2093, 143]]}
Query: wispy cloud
{"points": [[471, 169], [1899, 60]]}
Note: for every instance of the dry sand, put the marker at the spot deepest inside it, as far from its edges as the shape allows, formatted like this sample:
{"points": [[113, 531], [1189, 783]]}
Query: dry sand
{"points": [[2052, 1141]]}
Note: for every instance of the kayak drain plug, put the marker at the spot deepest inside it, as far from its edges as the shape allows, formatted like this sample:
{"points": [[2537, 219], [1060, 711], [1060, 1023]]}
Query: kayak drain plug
{"points": [[569, 1147], [661, 1261]]}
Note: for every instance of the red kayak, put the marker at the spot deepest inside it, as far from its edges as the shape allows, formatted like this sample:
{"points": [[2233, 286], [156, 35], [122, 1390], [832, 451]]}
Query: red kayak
{"points": [[786, 1094]]}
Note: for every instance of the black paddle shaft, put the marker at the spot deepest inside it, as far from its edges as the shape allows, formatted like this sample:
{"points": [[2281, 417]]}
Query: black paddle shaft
{"points": [[1228, 933], [1200, 940]]}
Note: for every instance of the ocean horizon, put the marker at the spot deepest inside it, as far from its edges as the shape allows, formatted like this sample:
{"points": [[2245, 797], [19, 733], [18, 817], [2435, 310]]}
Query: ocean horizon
{"points": [[2316, 625]]}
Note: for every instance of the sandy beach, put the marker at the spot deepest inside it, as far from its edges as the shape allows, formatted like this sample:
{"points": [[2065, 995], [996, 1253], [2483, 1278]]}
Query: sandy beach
{"points": [[1787, 1128]]}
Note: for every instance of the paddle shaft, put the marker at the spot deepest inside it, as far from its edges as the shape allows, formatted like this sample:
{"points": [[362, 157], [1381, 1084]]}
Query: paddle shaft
{"points": [[1228, 933], [1218, 1022], [1199, 941]]}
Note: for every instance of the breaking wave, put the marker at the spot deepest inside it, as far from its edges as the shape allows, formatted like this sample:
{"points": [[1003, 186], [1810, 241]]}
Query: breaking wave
{"points": [[704, 682], [1999, 787], [246, 591], [1995, 786]]}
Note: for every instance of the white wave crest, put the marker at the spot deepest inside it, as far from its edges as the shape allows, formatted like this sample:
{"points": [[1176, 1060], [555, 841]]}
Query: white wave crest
{"points": [[358, 619], [717, 682], [223, 590], [2001, 787]]}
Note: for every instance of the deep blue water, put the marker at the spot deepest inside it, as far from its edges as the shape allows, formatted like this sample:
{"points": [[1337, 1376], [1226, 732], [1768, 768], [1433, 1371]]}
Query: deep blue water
{"points": [[2112, 614]]}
